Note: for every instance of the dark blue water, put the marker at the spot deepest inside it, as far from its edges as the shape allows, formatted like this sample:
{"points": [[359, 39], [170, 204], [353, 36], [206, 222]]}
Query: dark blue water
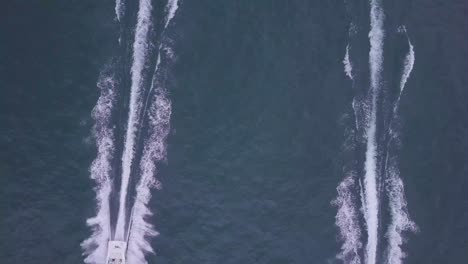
{"points": [[260, 105]]}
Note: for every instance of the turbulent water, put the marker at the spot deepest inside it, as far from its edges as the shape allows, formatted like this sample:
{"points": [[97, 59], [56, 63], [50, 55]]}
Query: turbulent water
{"points": [[208, 131], [380, 166], [132, 224]]}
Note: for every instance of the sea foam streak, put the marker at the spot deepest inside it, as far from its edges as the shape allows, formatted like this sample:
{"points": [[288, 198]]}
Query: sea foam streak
{"points": [[95, 247], [376, 36], [119, 9], [347, 221], [154, 151], [366, 115], [400, 220], [140, 50], [408, 67], [171, 8], [348, 67]]}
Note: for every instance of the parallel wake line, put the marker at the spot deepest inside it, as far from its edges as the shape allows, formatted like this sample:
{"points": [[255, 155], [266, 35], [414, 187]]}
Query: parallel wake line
{"points": [[348, 67], [95, 247], [154, 151], [347, 221], [371, 200], [400, 220], [140, 50], [119, 9]]}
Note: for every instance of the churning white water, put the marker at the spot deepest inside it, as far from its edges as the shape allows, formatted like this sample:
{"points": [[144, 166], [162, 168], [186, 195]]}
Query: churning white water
{"points": [[408, 67], [400, 220], [347, 221], [365, 111], [157, 108], [155, 150], [371, 198], [348, 67], [159, 114], [140, 51], [95, 247], [171, 8], [119, 9], [347, 217]]}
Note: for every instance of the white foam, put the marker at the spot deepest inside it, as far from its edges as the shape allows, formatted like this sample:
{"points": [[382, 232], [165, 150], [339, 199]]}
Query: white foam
{"points": [[355, 110], [400, 220], [408, 68], [408, 65], [371, 196], [376, 36], [140, 50], [154, 151], [361, 196], [348, 67], [171, 8], [119, 9], [95, 247], [347, 221]]}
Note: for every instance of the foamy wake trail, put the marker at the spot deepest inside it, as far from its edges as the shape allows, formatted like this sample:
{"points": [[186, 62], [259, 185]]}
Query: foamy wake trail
{"points": [[348, 67], [366, 115], [171, 8], [347, 217], [95, 247], [376, 36], [159, 115], [154, 151], [140, 51], [119, 9], [347, 221], [400, 220], [407, 69], [409, 63]]}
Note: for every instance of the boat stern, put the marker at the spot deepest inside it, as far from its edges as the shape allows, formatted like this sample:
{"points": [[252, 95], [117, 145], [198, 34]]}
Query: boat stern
{"points": [[116, 251]]}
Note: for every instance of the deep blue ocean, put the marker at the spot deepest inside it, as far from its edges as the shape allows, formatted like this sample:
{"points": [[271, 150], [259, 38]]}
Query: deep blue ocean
{"points": [[263, 124]]}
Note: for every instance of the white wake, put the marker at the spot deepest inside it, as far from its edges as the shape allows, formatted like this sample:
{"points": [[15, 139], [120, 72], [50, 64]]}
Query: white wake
{"points": [[400, 220], [347, 217], [366, 114], [408, 67], [348, 67], [137, 230], [347, 221], [154, 151], [171, 8], [140, 51], [159, 114], [371, 199], [95, 247], [119, 9]]}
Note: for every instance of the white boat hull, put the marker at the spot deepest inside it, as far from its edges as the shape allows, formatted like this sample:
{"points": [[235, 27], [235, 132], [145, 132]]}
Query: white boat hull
{"points": [[116, 251]]}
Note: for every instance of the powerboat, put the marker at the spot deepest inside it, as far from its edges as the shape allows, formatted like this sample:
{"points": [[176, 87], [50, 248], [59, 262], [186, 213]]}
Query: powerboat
{"points": [[116, 251]]}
